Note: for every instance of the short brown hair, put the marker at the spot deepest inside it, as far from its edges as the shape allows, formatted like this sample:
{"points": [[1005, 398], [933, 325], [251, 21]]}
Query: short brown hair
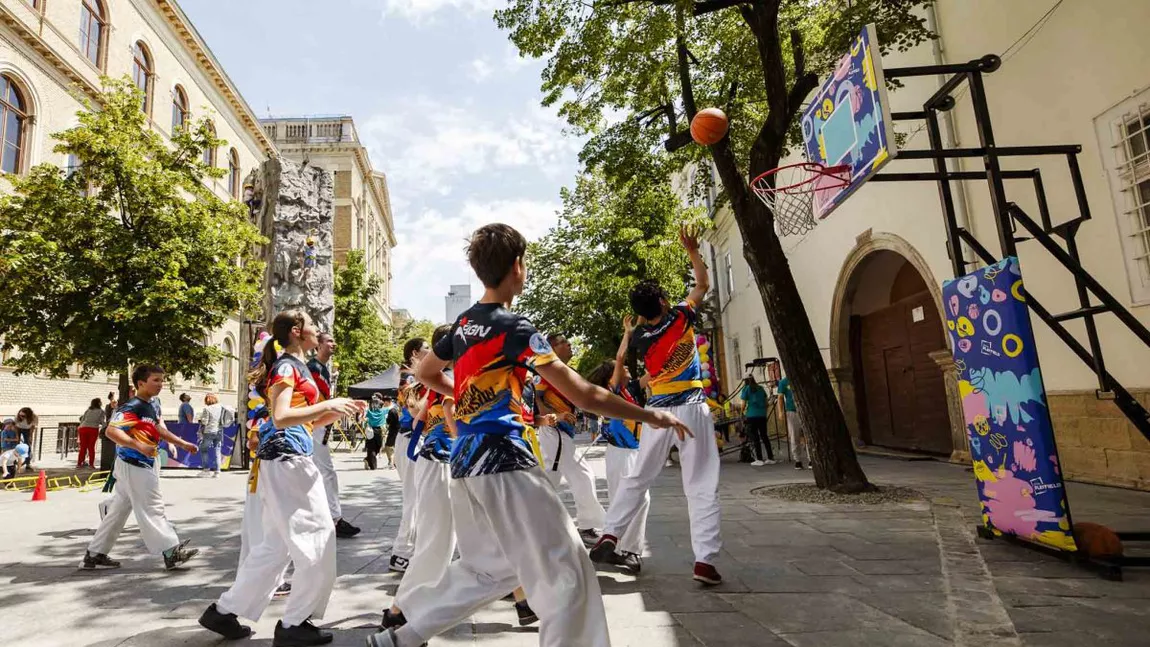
{"points": [[211, 398], [493, 250]]}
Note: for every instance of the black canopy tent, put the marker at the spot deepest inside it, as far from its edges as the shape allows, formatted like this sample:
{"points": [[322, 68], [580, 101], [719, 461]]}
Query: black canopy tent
{"points": [[386, 383]]}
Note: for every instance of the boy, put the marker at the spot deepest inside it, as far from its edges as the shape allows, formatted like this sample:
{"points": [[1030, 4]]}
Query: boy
{"points": [[559, 458], [511, 526], [136, 430], [795, 431], [318, 366], [666, 342], [12, 460]]}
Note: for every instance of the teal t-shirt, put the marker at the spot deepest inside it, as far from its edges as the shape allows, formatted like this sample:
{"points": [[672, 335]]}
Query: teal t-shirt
{"points": [[788, 395], [755, 398]]}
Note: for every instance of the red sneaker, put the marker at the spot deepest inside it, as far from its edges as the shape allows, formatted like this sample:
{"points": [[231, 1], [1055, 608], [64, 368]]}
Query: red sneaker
{"points": [[707, 574]]}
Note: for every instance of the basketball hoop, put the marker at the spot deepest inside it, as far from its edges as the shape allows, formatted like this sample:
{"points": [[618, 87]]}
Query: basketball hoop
{"points": [[789, 191]]}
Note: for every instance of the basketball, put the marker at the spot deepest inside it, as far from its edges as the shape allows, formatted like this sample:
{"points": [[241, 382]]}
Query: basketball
{"points": [[1096, 540], [709, 126]]}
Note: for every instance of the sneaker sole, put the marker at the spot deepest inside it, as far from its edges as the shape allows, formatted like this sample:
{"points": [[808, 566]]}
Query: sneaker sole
{"points": [[528, 620], [706, 580], [179, 566], [98, 567]]}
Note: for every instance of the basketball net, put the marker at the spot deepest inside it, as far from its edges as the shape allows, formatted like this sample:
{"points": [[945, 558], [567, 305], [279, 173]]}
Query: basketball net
{"points": [[789, 191]]}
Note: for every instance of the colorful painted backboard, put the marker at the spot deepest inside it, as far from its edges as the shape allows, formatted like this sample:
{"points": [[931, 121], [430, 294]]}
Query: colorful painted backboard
{"points": [[848, 121], [1004, 406]]}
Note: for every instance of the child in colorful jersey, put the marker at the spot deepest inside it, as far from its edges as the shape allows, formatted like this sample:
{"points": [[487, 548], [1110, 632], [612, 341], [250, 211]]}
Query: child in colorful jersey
{"points": [[665, 339], [298, 527], [410, 393], [557, 444], [623, 449], [136, 485], [321, 374], [511, 526]]}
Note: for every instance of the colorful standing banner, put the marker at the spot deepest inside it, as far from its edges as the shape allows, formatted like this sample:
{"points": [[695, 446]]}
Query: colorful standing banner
{"points": [[188, 431], [1004, 406]]}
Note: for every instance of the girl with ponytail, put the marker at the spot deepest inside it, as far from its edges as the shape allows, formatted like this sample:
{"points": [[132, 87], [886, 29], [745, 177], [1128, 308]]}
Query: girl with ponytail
{"points": [[297, 525], [410, 394]]}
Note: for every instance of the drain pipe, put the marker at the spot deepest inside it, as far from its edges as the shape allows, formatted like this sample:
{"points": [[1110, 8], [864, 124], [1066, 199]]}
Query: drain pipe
{"points": [[950, 134]]}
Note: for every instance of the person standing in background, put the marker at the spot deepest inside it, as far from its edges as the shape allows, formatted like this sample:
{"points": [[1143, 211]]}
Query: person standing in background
{"points": [[210, 433], [376, 417], [392, 431], [754, 398], [321, 374], [186, 414], [796, 433], [26, 422], [91, 421]]}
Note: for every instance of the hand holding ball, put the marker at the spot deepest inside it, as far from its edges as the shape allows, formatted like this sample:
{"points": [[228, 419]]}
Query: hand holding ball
{"points": [[709, 127]]}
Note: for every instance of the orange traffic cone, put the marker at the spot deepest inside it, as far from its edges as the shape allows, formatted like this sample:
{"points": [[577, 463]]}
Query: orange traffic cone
{"points": [[41, 493]]}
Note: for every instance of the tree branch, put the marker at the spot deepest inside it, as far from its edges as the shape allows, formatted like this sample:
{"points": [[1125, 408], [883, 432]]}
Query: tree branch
{"points": [[684, 65]]}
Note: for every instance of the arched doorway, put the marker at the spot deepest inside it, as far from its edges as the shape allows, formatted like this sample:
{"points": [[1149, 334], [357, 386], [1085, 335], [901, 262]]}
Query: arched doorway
{"points": [[887, 339]]}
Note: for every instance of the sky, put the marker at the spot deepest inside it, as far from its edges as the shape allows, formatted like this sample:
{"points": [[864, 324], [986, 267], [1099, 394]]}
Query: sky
{"points": [[441, 99]]}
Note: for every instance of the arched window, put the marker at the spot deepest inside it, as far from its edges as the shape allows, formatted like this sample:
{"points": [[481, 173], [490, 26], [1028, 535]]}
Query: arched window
{"points": [[13, 124], [210, 151], [179, 109], [142, 73], [227, 367], [234, 173], [93, 25]]}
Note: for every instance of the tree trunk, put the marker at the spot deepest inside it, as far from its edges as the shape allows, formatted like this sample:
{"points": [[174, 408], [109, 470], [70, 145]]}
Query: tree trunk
{"points": [[832, 453], [107, 447]]}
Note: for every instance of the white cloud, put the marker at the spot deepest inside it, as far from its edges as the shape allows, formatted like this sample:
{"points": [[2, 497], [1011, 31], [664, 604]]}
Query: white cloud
{"points": [[418, 11], [430, 255], [479, 69]]}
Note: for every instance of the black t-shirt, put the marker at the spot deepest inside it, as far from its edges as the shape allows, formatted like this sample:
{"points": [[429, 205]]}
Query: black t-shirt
{"points": [[392, 426]]}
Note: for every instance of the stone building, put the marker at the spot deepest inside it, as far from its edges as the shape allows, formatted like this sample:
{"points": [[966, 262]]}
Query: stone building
{"points": [[457, 300], [363, 218], [52, 48], [870, 275]]}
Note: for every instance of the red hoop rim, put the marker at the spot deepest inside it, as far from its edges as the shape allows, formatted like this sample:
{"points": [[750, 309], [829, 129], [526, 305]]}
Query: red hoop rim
{"points": [[815, 169]]}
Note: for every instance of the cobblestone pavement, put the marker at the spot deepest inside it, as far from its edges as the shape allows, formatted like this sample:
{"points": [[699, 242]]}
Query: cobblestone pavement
{"points": [[803, 575]]}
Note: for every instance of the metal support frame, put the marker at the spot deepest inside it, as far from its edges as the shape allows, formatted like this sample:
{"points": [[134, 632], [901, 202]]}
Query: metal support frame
{"points": [[1093, 299]]}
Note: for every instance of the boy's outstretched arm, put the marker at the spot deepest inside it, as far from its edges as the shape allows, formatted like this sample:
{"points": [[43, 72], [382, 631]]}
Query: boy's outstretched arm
{"points": [[690, 241], [430, 374], [621, 354], [589, 397]]}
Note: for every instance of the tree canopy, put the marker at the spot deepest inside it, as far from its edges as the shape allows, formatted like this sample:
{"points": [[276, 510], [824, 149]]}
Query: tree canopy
{"points": [[127, 256]]}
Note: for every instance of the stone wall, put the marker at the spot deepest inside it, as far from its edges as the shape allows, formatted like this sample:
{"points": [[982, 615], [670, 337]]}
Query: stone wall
{"points": [[1096, 443]]}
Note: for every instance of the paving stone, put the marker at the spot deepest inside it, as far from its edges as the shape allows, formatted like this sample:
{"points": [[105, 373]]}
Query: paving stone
{"points": [[728, 630], [902, 583], [894, 566], [926, 611], [788, 613], [867, 637]]}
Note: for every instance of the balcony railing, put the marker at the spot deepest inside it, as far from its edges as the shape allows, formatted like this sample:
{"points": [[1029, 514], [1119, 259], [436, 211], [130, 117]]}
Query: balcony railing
{"points": [[311, 130]]}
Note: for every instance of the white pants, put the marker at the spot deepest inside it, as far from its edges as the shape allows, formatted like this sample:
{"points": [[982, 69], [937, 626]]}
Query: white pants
{"points": [[580, 478], [322, 458], [137, 491], [797, 434], [699, 459], [404, 544], [297, 529], [252, 525], [513, 530], [434, 529], [620, 463]]}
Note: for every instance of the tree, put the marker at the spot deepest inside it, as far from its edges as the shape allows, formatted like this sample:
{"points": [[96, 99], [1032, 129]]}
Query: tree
{"points": [[674, 55], [363, 343], [128, 256], [606, 240]]}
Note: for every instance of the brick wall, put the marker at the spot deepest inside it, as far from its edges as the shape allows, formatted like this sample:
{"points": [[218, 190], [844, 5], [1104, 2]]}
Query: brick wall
{"points": [[341, 232], [342, 184], [1096, 443]]}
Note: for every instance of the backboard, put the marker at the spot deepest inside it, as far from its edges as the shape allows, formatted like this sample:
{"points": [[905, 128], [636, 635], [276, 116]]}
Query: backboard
{"points": [[849, 122]]}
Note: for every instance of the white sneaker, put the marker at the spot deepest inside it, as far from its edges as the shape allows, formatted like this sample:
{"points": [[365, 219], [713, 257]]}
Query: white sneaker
{"points": [[770, 461], [215, 475], [757, 463]]}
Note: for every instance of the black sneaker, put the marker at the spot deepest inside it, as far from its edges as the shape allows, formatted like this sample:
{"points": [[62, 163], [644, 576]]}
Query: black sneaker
{"points": [[589, 536], [392, 620], [604, 551], [225, 624], [174, 557], [385, 638], [345, 530], [99, 560], [304, 634], [631, 563], [282, 591], [798, 465], [526, 615], [398, 564]]}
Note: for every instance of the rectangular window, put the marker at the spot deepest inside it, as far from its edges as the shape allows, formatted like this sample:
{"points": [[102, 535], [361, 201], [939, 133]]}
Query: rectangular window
{"points": [[728, 271], [738, 357], [1124, 137], [758, 334]]}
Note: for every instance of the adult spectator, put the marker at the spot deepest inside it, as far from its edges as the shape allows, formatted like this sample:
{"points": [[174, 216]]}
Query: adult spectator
{"points": [[91, 421], [26, 425], [722, 415], [392, 431], [186, 414], [754, 397], [109, 408], [796, 432], [376, 418], [210, 435]]}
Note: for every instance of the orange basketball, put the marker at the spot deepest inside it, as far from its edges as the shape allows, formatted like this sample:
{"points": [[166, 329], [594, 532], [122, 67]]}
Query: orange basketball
{"points": [[709, 126], [1096, 540]]}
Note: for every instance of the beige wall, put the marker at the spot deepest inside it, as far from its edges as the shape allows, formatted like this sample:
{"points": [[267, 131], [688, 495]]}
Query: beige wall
{"points": [[47, 79], [1076, 68]]}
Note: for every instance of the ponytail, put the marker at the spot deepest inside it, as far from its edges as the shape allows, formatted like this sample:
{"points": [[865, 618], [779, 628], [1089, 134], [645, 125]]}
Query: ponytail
{"points": [[258, 376]]}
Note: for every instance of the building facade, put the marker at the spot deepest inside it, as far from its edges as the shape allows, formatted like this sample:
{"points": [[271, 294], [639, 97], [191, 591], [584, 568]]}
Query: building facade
{"points": [[457, 300], [363, 219], [51, 49], [870, 275]]}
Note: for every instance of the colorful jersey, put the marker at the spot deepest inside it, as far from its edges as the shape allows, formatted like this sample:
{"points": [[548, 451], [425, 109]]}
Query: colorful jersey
{"points": [[138, 419], [669, 353], [529, 399], [622, 433], [437, 440], [406, 422], [294, 440], [550, 396], [490, 347], [321, 375]]}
